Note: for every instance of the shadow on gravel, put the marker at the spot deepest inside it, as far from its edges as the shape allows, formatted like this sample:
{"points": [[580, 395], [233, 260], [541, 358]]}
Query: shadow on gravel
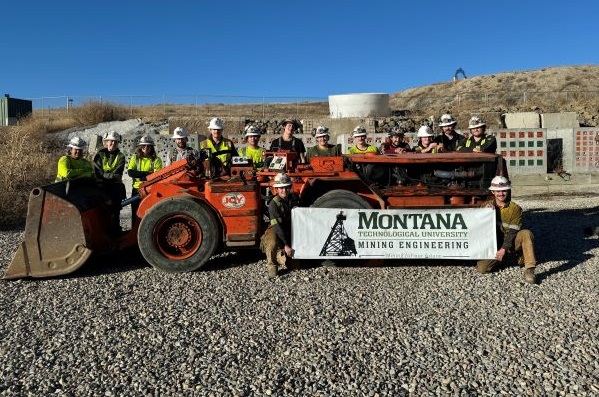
{"points": [[560, 237], [132, 259], [124, 261]]}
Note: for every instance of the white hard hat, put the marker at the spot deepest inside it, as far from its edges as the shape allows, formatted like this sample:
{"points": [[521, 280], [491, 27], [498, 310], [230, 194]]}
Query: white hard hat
{"points": [[359, 131], [112, 136], [77, 143], [216, 124], [250, 130], [476, 122], [146, 140], [424, 131], [500, 183], [321, 131], [282, 180], [180, 132], [447, 120]]}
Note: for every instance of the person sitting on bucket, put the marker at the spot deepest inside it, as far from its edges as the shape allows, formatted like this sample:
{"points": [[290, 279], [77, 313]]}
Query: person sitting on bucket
{"points": [[73, 165], [478, 141], [395, 144], [252, 151], [144, 162], [323, 147], [219, 144], [510, 235], [276, 241], [360, 144], [426, 144], [450, 140], [181, 150], [109, 165]]}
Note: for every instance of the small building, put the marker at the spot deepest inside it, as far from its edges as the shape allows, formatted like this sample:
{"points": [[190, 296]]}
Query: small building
{"points": [[12, 109]]}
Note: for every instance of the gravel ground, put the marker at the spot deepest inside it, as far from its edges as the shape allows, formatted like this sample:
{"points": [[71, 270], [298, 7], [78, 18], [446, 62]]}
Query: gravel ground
{"points": [[117, 327]]}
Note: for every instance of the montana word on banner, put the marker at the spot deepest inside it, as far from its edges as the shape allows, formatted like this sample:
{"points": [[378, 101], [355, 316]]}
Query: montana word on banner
{"points": [[448, 233]]}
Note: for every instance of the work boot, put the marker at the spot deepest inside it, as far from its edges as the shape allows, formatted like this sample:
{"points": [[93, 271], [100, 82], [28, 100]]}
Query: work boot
{"points": [[272, 271], [529, 275]]}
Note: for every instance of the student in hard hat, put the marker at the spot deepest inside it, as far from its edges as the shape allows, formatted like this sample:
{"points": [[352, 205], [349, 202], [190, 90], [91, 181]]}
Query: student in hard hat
{"points": [[276, 241], [360, 144], [144, 162], [181, 150], [511, 238], [252, 151], [478, 141], [449, 139], [323, 147], [287, 142], [426, 143], [222, 148], [395, 144], [73, 165], [109, 165]]}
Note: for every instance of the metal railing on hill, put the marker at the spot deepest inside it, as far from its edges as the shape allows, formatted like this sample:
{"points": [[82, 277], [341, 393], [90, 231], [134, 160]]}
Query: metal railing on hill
{"points": [[493, 99]]}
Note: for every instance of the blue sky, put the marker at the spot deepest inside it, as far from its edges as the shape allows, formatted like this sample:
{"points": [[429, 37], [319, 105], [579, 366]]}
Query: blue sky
{"points": [[278, 48]]}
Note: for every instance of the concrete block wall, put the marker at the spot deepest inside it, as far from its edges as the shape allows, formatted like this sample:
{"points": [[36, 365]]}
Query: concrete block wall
{"points": [[525, 150], [559, 120], [522, 120], [586, 150]]}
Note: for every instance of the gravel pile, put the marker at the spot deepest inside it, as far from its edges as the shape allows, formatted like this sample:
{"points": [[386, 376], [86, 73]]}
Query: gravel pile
{"points": [[119, 328]]}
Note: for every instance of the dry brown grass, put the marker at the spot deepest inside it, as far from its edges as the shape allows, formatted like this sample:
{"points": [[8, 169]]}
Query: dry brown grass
{"points": [[29, 161]]}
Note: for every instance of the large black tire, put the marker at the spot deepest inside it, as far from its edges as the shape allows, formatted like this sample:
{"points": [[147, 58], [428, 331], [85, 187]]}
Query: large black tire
{"points": [[178, 235], [340, 198]]}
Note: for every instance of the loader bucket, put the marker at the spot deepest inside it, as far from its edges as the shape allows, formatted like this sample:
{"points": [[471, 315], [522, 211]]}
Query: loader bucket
{"points": [[66, 222]]}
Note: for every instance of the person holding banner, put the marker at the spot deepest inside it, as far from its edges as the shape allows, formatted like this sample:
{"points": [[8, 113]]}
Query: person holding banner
{"points": [[276, 241], [510, 235]]}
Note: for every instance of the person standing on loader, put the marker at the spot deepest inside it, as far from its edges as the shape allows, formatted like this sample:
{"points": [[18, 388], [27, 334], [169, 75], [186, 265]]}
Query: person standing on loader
{"points": [[478, 141], [287, 142], [276, 241], [450, 140], [142, 163], [252, 151], [221, 147], [426, 143], [510, 235], [395, 143], [73, 165], [360, 144], [109, 165], [181, 150], [323, 147]]}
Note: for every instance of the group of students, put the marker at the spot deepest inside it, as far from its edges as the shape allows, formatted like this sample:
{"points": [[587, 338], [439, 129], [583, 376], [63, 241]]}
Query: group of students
{"points": [[108, 166], [448, 141]]}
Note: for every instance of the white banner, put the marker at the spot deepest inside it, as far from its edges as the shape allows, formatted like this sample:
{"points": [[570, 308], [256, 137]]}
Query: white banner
{"points": [[446, 233]]}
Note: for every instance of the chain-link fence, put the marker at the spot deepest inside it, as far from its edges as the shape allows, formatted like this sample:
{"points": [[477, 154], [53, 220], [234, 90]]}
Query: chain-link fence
{"points": [[190, 105]]}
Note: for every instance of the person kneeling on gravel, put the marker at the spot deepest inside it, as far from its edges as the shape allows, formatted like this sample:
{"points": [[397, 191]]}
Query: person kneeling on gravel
{"points": [[510, 235], [276, 241]]}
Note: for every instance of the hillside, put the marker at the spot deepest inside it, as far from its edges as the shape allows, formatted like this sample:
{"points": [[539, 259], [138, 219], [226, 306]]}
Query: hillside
{"points": [[557, 89]]}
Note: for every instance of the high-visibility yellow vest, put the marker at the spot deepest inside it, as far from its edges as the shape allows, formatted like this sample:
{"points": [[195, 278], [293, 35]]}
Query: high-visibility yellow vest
{"points": [[145, 164], [254, 154], [70, 168], [225, 144]]}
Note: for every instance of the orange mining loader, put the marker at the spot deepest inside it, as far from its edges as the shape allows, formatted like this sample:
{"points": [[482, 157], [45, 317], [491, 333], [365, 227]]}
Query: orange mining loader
{"points": [[187, 213]]}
